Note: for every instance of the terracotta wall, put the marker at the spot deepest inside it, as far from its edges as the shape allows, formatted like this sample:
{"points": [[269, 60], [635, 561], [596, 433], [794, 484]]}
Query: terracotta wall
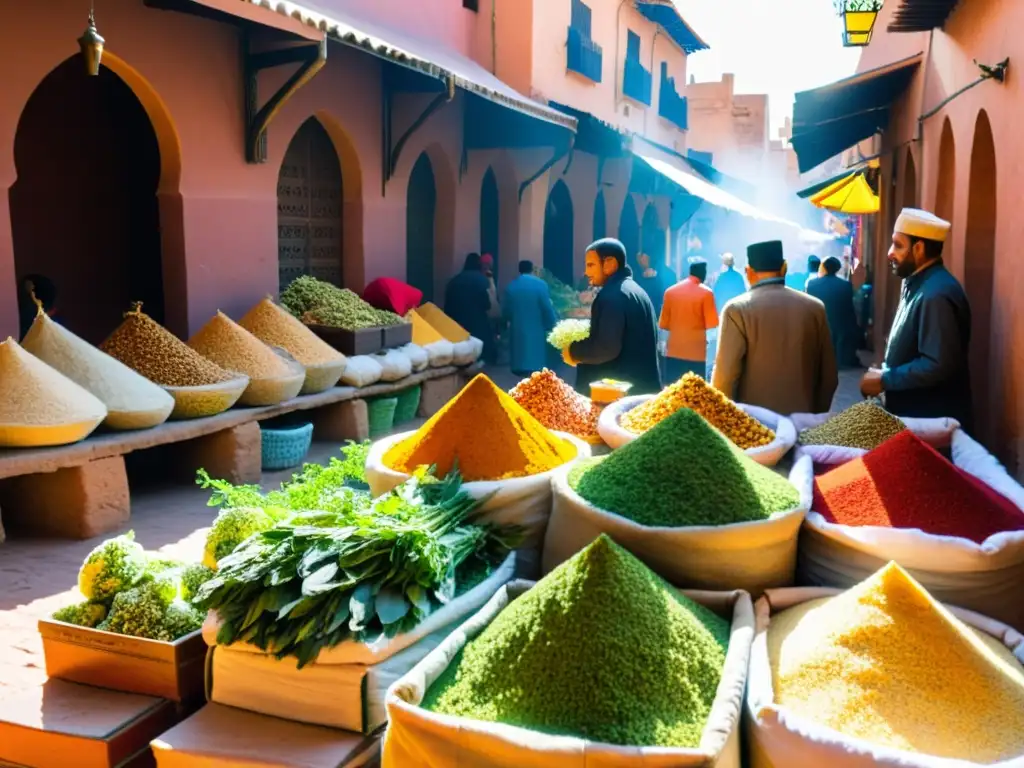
{"points": [[959, 180]]}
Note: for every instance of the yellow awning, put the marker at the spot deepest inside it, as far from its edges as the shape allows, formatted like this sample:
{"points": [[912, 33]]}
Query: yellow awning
{"points": [[851, 195]]}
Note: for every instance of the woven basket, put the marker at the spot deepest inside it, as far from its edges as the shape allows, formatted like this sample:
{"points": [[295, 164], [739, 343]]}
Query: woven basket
{"points": [[408, 404], [381, 415], [285, 448]]}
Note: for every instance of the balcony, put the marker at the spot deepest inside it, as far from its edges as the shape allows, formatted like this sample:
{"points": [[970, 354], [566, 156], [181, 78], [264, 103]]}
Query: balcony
{"points": [[583, 55], [636, 82], [671, 105]]}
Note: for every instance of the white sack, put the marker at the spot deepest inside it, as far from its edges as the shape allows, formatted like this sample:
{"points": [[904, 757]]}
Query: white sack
{"points": [[522, 501], [466, 352], [440, 353], [362, 371], [417, 355], [780, 739], [985, 577], [616, 436], [938, 433], [417, 738], [394, 365], [750, 556]]}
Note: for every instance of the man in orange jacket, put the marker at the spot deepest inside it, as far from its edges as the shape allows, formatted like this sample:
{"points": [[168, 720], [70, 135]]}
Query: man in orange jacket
{"points": [[688, 313]]}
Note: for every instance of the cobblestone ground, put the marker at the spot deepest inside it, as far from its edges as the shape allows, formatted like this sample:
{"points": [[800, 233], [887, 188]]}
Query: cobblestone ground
{"points": [[38, 576]]}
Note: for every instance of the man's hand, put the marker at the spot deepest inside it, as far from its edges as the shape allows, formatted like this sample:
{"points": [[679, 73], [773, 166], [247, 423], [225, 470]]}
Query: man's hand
{"points": [[567, 357], [871, 383]]}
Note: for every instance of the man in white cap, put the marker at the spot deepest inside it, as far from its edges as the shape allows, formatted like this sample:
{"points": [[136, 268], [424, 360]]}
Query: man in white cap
{"points": [[687, 314], [925, 372]]}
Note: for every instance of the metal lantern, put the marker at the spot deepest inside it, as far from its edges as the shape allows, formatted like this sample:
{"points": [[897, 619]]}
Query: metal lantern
{"points": [[859, 18], [92, 46]]}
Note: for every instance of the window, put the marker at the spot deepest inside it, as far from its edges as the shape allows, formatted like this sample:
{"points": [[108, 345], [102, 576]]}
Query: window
{"points": [[471, 5], [583, 55], [671, 105], [636, 81], [632, 45], [581, 18]]}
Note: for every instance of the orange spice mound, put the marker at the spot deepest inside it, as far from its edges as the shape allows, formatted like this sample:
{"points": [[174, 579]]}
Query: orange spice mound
{"points": [[487, 433], [556, 405]]}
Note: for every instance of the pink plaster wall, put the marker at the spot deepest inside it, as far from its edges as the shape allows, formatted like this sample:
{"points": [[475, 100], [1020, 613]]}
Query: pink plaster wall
{"points": [[982, 30], [445, 22]]}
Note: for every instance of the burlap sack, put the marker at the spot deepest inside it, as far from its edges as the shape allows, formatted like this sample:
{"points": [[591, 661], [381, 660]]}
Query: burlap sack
{"points": [[417, 738], [750, 556], [938, 433]]}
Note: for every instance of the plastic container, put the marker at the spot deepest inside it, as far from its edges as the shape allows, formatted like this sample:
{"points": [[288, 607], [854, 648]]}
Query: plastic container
{"points": [[608, 391], [381, 415], [408, 404], [285, 448]]}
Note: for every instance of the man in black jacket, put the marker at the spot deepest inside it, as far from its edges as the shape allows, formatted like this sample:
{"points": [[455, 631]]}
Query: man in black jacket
{"points": [[623, 341]]}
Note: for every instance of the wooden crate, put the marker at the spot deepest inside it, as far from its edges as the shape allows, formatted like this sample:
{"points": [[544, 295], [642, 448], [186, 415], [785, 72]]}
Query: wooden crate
{"points": [[172, 671], [362, 342], [397, 335]]}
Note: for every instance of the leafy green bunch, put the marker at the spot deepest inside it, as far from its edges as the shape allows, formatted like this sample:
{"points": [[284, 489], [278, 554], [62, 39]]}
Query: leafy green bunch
{"points": [[366, 568]]}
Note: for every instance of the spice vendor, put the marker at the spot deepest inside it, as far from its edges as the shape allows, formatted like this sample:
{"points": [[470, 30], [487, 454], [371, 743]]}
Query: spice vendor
{"points": [[774, 347], [623, 329], [925, 372], [687, 314], [528, 310]]}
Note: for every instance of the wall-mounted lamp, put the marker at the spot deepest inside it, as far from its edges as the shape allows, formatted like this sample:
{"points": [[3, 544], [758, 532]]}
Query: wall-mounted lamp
{"points": [[858, 20], [92, 46]]}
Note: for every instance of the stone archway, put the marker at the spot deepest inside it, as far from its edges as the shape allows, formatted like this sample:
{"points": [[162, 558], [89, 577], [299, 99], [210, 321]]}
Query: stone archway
{"points": [[310, 208], [600, 216], [945, 191], [979, 267], [558, 233], [653, 237], [85, 210], [490, 220], [421, 227], [629, 230]]}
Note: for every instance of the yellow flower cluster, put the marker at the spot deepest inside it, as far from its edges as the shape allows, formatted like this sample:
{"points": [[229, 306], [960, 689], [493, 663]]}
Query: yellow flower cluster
{"points": [[691, 391]]}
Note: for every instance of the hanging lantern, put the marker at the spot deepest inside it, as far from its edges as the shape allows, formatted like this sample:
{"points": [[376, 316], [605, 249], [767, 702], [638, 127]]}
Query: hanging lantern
{"points": [[859, 18], [92, 46]]}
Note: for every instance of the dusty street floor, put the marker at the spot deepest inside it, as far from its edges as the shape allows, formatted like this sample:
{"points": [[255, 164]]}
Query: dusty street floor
{"points": [[39, 576]]}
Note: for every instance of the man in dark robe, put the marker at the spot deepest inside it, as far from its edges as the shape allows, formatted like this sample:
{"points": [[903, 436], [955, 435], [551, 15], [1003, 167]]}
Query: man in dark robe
{"points": [[926, 372], [623, 341], [467, 299], [837, 296]]}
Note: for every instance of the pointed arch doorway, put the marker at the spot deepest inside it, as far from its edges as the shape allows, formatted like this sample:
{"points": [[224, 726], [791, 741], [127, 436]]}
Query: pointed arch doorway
{"points": [[420, 224], [558, 233]]}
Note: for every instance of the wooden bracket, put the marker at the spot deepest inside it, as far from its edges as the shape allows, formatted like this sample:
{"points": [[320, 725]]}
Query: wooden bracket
{"points": [[393, 153], [257, 119]]}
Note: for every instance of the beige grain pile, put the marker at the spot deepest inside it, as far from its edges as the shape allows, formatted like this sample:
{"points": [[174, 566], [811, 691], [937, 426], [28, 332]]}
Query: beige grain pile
{"points": [[132, 401], [150, 349], [232, 347], [274, 325]]}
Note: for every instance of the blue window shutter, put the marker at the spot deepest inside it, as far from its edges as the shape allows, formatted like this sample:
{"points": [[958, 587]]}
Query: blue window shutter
{"points": [[632, 46]]}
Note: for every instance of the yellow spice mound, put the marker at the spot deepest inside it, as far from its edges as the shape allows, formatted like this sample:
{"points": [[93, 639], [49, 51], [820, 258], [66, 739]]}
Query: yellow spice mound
{"points": [[275, 326], [423, 333], [441, 323], [691, 391], [230, 346], [34, 394], [886, 663], [487, 433]]}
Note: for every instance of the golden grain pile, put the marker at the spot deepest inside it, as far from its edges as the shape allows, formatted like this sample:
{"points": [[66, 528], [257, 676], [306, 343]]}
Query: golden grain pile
{"points": [[232, 347]]}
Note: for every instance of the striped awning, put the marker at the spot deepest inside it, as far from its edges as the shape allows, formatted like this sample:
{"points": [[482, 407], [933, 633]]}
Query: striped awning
{"points": [[921, 15]]}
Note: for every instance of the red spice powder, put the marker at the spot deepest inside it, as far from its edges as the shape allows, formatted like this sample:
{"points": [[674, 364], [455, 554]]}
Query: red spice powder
{"points": [[905, 483]]}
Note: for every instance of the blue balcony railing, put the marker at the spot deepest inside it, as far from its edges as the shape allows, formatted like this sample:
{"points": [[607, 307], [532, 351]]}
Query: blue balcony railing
{"points": [[636, 82], [583, 55], [671, 105]]}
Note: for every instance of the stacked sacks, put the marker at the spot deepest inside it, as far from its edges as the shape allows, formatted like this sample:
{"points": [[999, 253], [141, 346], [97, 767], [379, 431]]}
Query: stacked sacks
{"points": [[466, 349], [39, 406], [957, 527], [501, 451], [277, 328], [199, 386], [132, 401], [439, 350], [273, 378], [765, 436], [882, 674], [689, 503], [601, 662]]}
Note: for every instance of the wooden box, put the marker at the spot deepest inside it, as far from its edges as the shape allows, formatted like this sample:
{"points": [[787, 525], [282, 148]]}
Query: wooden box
{"points": [[172, 671], [350, 343], [397, 335]]}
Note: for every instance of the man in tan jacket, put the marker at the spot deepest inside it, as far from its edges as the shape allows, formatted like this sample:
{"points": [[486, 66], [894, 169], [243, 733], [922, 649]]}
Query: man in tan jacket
{"points": [[774, 348]]}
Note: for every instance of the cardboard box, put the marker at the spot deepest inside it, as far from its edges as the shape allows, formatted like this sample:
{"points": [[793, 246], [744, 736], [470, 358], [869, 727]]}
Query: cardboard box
{"points": [[219, 736], [60, 724], [172, 671]]}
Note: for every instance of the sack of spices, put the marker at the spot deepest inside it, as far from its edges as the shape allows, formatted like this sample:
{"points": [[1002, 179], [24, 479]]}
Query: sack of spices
{"points": [[765, 436], [503, 454], [466, 352], [835, 438], [440, 353], [881, 675], [418, 356], [558, 406], [362, 371], [958, 528], [394, 365], [345, 686], [601, 663], [687, 502]]}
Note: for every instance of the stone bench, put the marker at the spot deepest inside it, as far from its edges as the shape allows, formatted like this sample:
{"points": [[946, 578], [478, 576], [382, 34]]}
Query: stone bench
{"points": [[79, 491]]}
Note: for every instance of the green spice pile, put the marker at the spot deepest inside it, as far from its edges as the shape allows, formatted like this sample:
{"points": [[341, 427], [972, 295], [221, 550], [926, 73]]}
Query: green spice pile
{"points": [[864, 425], [683, 472], [601, 648], [316, 302]]}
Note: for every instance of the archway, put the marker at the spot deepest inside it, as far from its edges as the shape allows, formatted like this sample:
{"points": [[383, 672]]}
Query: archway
{"points": [[490, 217], [979, 266], [945, 192], [84, 208], [420, 209], [600, 217], [558, 231], [309, 208], [629, 230], [653, 237]]}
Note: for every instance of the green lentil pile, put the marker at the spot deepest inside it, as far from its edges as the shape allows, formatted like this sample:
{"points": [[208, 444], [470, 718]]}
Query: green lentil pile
{"points": [[601, 648], [314, 301], [864, 425], [683, 472]]}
